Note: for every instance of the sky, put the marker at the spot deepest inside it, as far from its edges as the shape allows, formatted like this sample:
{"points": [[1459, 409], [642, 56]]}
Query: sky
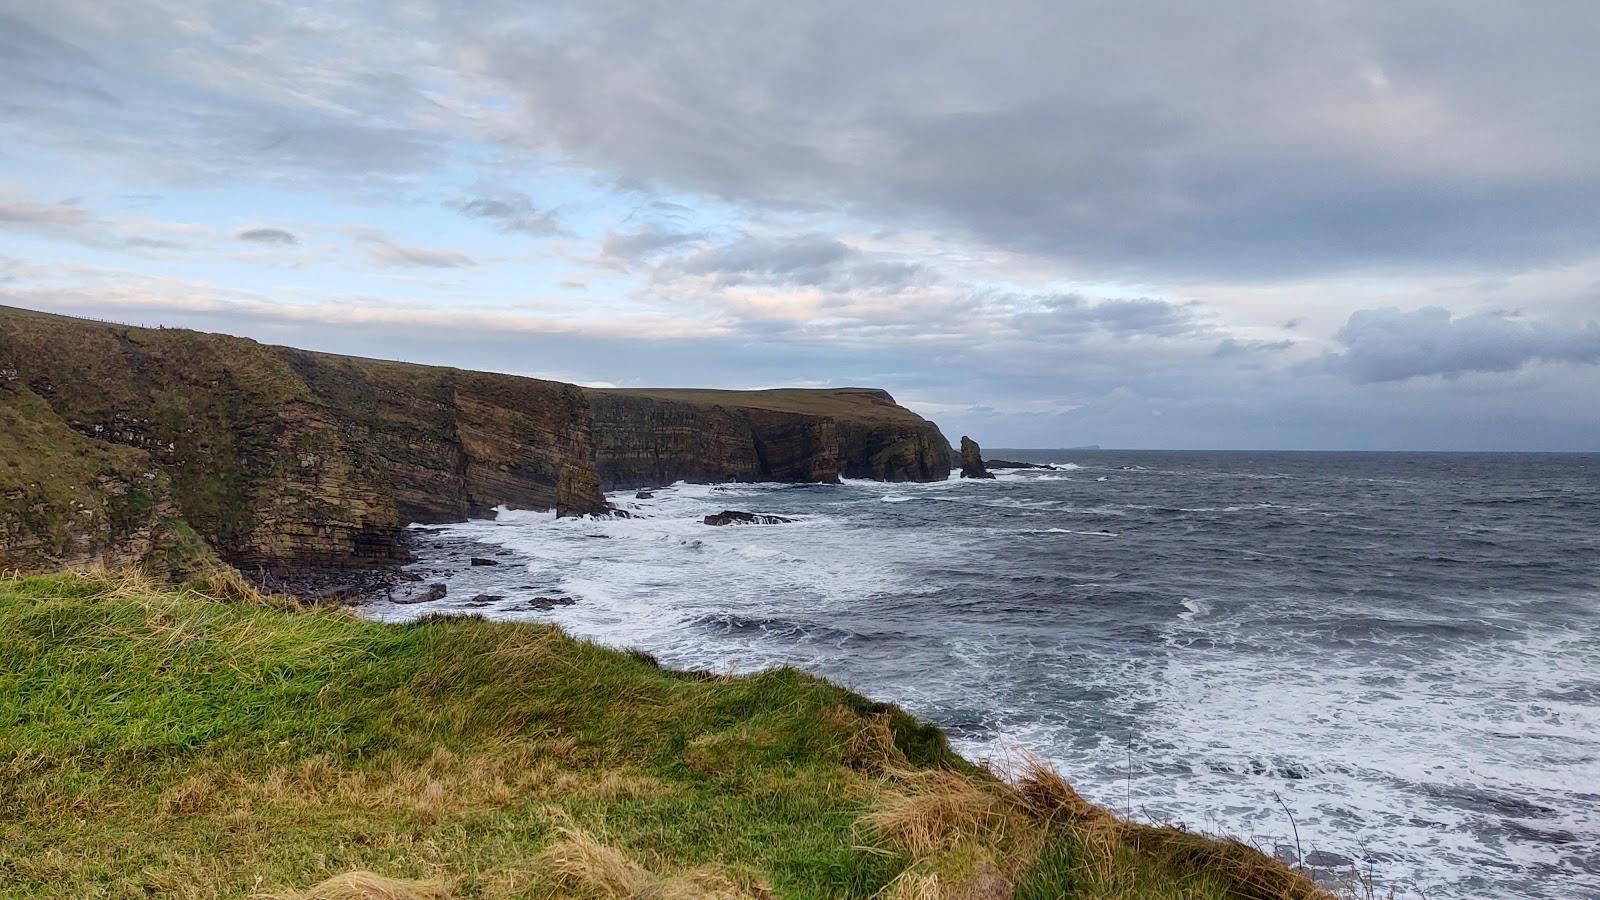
{"points": [[1237, 224]]}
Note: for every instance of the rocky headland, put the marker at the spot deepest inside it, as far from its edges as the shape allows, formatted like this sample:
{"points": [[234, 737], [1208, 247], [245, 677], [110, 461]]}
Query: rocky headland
{"points": [[173, 448]]}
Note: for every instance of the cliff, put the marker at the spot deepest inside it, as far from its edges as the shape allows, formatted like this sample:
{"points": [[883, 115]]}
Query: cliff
{"points": [[657, 436], [279, 459], [124, 444]]}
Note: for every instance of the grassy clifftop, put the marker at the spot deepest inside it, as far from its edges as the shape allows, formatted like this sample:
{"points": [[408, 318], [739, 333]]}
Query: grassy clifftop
{"points": [[868, 404], [206, 742]]}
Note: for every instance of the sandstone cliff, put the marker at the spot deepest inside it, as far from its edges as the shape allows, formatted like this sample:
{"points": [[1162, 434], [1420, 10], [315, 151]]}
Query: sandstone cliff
{"points": [[657, 436], [279, 459], [129, 444]]}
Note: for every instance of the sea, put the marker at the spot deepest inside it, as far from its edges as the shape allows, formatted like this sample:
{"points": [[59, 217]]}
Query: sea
{"points": [[1381, 666]]}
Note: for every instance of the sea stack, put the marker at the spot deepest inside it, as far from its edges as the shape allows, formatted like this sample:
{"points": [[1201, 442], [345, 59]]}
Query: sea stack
{"points": [[578, 493], [972, 460]]}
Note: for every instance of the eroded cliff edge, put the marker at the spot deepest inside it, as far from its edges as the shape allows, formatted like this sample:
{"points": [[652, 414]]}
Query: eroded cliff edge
{"points": [[124, 444], [654, 437]]}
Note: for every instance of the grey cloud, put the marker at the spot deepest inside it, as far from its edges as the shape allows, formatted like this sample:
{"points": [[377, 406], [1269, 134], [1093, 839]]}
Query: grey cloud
{"points": [[72, 221], [1393, 345], [637, 246], [226, 91], [30, 215], [1243, 138], [277, 236], [1069, 314], [511, 211], [385, 253], [808, 260], [1233, 347]]}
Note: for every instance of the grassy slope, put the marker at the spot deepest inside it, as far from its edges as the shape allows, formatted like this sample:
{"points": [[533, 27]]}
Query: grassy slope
{"points": [[165, 743]]}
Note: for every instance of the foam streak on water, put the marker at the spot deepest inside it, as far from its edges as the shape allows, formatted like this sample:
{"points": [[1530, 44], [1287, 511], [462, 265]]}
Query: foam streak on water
{"points": [[1404, 648]]}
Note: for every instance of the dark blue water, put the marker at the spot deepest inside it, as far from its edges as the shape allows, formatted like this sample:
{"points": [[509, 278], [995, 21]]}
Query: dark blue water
{"points": [[1400, 650]]}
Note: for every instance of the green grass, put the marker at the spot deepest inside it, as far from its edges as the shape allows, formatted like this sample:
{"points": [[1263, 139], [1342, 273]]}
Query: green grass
{"points": [[160, 742]]}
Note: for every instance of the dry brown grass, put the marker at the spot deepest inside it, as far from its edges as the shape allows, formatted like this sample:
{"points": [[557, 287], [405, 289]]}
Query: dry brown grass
{"points": [[932, 811], [583, 864], [955, 825], [367, 886]]}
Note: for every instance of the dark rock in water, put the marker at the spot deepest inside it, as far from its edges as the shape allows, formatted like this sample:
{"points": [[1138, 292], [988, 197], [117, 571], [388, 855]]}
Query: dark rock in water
{"points": [[643, 495], [548, 603], [485, 599], [480, 561], [972, 460], [412, 577], [1012, 464], [433, 592], [735, 517]]}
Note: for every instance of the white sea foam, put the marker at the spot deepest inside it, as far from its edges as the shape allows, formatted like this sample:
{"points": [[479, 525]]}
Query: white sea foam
{"points": [[1414, 760]]}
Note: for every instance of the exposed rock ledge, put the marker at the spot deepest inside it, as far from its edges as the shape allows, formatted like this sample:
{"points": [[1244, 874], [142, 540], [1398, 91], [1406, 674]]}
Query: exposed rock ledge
{"points": [[130, 444]]}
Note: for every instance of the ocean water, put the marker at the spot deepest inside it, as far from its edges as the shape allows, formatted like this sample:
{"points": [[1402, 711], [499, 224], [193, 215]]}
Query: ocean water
{"points": [[1399, 651]]}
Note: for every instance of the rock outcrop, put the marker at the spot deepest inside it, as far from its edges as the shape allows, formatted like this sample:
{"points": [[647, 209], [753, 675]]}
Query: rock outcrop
{"points": [[284, 461], [972, 460], [737, 517], [171, 446], [578, 493], [644, 438]]}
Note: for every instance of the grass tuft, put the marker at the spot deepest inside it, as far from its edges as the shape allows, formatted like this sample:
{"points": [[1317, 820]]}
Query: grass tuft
{"points": [[367, 886]]}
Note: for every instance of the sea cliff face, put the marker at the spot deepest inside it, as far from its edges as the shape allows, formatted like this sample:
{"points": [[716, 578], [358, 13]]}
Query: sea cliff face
{"points": [[655, 437], [129, 444]]}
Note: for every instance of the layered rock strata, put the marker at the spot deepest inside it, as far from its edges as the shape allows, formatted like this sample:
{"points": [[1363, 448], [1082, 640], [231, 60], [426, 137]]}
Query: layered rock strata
{"points": [[125, 444]]}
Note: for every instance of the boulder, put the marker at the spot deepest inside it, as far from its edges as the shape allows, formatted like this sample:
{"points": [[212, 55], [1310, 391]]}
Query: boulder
{"points": [[549, 603], [735, 517], [429, 594], [480, 561], [972, 460]]}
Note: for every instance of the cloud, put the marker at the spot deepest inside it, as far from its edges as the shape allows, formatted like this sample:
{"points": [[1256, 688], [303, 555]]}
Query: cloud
{"points": [[73, 221], [1233, 347], [1238, 138], [273, 236], [805, 260], [384, 253], [28, 215], [1394, 345], [510, 211], [1073, 314], [634, 247]]}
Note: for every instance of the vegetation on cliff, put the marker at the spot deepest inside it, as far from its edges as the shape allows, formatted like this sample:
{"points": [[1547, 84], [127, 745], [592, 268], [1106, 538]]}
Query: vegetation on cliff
{"points": [[160, 742], [282, 460]]}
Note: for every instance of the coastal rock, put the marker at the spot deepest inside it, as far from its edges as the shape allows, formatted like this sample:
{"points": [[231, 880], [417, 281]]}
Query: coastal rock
{"points": [[645, 438], [972, 460], [549, 603], [736, 517], [432, 592], [481, 561], [578, 493], [1012, 464], [644, 495]]}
